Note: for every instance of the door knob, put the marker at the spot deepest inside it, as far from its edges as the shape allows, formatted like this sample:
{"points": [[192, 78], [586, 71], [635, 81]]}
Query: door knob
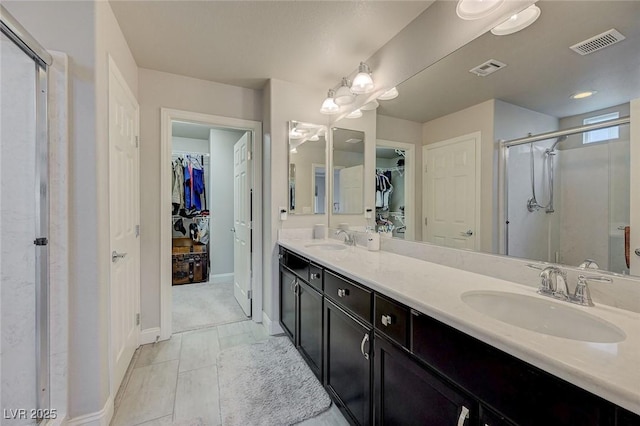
{"points": [[467, 234], [637, 251], [115, 256], [233, 229]]}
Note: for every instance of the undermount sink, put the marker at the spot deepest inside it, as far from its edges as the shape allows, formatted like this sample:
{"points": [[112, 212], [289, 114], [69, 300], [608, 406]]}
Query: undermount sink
{"points": [[327, 246], [543, 316]]}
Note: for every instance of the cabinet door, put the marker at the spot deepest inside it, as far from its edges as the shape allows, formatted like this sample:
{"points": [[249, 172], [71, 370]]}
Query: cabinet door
{"points": [[347, 363], [310, 326], [288, 303], [408, 394], [489, 418]]}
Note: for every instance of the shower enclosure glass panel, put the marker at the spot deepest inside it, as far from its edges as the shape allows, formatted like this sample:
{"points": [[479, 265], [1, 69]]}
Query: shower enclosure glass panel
{"points": [[23, 219], [590, 201]]}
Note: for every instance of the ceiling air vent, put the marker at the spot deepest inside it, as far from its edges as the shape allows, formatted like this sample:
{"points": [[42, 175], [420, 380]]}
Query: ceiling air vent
{"points": [[598, 42], [487, 68]]}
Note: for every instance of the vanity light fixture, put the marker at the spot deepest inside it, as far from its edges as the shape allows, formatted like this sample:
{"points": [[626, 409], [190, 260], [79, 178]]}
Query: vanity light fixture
{"points": [[476, 9], [343, 94], [363, 82], [329, 106], [585, 94], [293, 150], [369, 106], [314, 138], [355, 114], [518, 22], [389, 94]]}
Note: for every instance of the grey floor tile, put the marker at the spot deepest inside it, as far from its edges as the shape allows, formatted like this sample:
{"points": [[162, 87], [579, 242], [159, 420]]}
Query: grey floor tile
{"points": [[154, 353], [236, 340], [234, 328], [125, 380], [197, 397], [199, 349], [162, 421], [150, 394]]}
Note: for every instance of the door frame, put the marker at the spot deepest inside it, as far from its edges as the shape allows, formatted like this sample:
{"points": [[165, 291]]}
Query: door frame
{"points": [[255, 127], [425, 153], [409, 184]]}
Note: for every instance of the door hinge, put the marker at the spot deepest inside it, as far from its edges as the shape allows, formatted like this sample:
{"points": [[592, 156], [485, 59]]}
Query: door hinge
{"points": [[249, 155], [137, 230], [249, 294], [42, 241], [137, 141], [138, 319], [426, 221]]}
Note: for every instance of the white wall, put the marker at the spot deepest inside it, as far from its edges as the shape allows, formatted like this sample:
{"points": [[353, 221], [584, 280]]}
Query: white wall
{"points": [[478, 118], [95, 35], [221, 200], [163, 90]]}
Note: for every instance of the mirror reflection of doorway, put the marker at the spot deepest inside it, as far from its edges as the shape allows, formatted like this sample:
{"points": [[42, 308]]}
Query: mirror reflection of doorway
{"points": [[207, 195]]}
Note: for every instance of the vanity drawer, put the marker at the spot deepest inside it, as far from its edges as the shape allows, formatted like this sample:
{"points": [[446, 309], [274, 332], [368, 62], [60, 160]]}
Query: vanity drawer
{"points": [[315, 276], [391, 319], [348, 294], [297, 264]]}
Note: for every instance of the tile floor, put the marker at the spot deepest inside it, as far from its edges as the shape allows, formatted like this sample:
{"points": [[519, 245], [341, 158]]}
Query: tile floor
{"points": [[175, 382]]}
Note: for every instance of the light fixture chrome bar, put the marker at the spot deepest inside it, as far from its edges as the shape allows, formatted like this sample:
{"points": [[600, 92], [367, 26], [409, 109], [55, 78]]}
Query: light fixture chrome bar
{"points": [[16, 32], [567, 132]]}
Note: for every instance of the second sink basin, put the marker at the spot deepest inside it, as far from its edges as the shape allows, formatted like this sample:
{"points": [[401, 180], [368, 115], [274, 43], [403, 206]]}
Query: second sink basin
{"points": [[543, 316], [327, 246]]}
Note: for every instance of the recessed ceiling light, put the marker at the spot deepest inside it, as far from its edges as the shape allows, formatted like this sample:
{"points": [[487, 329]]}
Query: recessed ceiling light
{"points": [[518, 22], [389, 94], [476, 9], [585, 94]]}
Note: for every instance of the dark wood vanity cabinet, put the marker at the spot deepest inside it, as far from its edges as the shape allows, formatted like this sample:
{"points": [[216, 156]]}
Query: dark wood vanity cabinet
{"points": [[386, 364], [347, 372], [301, 308], [407, 393]]}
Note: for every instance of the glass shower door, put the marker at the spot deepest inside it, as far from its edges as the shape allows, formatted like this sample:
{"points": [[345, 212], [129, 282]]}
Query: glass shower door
{"points": [[23, 219]]}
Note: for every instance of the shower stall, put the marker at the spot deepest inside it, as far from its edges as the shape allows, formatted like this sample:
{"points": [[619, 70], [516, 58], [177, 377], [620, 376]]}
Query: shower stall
{"points": [[566, 200], [24, 343]]}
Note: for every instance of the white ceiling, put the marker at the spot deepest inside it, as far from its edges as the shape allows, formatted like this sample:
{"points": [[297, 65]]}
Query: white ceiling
{"points": [[341, 136], [541, 72], [196, 131], [246, 42]]}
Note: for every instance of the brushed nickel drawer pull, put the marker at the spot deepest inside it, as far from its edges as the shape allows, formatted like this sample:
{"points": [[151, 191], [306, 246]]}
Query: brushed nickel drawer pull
{"points": [[342, 292]]}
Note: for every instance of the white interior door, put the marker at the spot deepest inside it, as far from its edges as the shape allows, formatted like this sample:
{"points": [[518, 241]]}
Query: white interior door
{"points": [[124, 214], [634, 215], [449, 199], [242, 223], [351, 189]]}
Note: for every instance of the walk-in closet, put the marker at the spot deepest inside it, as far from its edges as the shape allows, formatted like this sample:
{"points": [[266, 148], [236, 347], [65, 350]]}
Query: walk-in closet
{"points": [[390, 191], [202, 200]]}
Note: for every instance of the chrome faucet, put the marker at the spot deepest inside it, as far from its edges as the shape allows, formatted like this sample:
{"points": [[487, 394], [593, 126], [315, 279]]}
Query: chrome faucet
{"points": [[348, 238], [589, 264], [582, 296], [553, 282]]}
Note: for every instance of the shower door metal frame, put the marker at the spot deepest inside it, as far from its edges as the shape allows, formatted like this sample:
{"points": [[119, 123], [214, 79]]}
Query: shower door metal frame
{"points": [[42, 59]]}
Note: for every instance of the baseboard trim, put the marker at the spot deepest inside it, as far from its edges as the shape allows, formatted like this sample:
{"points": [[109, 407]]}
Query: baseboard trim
{"points": [[272, 328], [218, 278], [149, 335], [100, 418]]}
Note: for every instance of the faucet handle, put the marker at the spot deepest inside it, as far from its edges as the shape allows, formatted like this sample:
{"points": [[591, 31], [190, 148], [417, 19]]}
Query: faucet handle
{"points": [[582, 295]]}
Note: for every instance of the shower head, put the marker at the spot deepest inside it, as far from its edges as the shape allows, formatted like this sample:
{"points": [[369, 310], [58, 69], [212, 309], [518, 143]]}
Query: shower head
{"points": [[553, 147]]}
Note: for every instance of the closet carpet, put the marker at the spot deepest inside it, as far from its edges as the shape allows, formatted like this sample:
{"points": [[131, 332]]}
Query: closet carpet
{"points": [[204, 305]]}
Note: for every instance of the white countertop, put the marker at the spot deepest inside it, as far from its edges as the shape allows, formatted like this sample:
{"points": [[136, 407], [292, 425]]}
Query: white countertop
{"points": [[609, 370]]}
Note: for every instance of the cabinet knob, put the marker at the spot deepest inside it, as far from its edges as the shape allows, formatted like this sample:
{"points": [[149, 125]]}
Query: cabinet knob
{"points": [[386, 320], [280, 256], [342, 292], [315, 276]]}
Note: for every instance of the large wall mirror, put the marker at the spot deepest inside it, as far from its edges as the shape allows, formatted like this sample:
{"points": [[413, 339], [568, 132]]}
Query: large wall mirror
{"points": [[561, 200], [307, 168], [348, 171]]}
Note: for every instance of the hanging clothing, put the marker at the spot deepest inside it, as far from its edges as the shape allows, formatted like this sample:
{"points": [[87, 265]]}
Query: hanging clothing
{"points": [[383, 189], [177, 188]]}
